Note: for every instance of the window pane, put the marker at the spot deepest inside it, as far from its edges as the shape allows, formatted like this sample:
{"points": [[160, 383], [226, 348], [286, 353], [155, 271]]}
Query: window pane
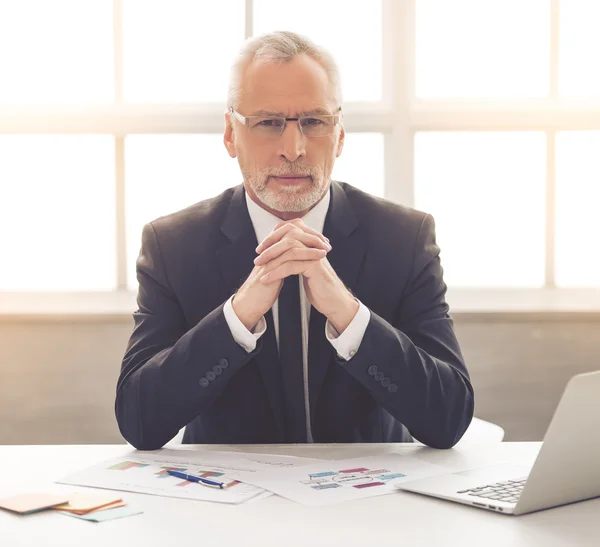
{"points": [[577, 200], [179, 50], [475, 49], [361, 162], [56, 52], [166, 173], [57, 213], [579, 47], [353, 36], [487, 194]]}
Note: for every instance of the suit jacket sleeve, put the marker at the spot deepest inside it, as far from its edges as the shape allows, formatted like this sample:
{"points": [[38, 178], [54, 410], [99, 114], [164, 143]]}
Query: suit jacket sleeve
{"points": [[170, 373], [413, 366]]}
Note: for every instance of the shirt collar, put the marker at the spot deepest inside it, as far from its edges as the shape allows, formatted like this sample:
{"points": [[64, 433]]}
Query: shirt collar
{"points": [[263, 221]]}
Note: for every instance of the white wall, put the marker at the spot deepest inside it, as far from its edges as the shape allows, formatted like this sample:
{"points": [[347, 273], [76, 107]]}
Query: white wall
{"points": [[58, 377]]}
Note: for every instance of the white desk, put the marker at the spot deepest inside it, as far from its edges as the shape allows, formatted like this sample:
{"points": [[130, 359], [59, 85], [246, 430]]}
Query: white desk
{"points": [[399, 519]]}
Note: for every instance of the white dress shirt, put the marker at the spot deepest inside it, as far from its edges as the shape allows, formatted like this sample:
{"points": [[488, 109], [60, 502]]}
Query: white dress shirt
{"points": [[346, 344]]}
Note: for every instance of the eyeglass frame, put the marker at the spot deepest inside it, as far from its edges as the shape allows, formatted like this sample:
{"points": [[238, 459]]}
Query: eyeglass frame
{"points": [[245, 120]]}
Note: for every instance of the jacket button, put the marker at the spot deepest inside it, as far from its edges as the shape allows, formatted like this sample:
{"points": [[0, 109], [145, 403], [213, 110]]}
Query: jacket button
{"points": [[204, 382], [379, 376], [392, 388], [211, 375], [386, 382], [217, 369], [372, 370], [223, 363]]}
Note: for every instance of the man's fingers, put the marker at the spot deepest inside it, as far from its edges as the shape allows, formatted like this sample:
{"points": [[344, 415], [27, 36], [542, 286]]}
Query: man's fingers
{"points": [[302, 240], [285, 228], [276, 235], [292, 267], [295, 254], [295, 222]]}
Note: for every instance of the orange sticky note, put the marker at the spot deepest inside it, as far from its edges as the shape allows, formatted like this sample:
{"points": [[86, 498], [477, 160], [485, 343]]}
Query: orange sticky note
{"points": [[96, 510], [93, 510], [32, 502], [111, 506], [85, 502]]}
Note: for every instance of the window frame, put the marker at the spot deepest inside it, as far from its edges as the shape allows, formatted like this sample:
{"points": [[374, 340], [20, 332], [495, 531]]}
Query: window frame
{"points": [[398, 116]]}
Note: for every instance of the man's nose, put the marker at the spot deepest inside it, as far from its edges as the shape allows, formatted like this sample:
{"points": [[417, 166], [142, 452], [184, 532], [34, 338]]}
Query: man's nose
{"points": [[292, 142]]}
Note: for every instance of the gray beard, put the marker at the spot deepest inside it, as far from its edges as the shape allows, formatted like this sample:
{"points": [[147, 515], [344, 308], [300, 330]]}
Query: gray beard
{"points": [[289, 199]]}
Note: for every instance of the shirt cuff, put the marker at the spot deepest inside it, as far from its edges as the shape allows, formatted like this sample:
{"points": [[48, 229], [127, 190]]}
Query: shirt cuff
{"points": [[346, 344], [240, 333]]}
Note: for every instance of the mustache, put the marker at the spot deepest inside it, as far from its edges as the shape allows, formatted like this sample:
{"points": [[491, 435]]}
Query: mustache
{"points": [[290, 169]]}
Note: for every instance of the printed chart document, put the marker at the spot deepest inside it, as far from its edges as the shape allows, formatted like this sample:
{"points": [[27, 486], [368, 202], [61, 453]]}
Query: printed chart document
{"points": [[330, 481], [146, 473], [239, 465]]}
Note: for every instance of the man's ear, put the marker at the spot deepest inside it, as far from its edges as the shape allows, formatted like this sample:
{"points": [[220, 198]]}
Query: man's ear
{"points": [[229, 136], [340, 145]]}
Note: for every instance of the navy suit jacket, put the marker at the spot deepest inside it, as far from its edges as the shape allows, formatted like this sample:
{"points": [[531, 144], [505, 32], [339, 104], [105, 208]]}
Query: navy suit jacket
{"points": [[183, 367]]}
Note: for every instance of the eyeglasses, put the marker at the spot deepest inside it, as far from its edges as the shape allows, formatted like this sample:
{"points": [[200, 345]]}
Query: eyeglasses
{"points": [[273, 126]]}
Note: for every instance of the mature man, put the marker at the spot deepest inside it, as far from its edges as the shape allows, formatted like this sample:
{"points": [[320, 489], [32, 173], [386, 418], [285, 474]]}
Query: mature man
{"points": [[291, 308]]}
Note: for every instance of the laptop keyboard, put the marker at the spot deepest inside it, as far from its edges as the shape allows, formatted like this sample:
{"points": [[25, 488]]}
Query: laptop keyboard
{"points": [[508, 491]]}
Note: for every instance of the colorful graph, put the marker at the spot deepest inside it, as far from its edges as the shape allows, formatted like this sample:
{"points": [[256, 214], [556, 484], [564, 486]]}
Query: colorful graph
{"points": [[163, 474], [360, 477], [207, 474], [124, 466]]}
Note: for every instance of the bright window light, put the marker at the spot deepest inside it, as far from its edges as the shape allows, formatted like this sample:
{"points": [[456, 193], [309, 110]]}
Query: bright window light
{"points": [[57, 213], [179, 50], [361, 162], [577, 201], [486, 191], [56, 52], [579, 46], [351, 31], [482, 49]]}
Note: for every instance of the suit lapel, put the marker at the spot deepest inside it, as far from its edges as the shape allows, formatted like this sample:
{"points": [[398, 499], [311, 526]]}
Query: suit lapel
{"points": [[346, 258], [235, 259]]}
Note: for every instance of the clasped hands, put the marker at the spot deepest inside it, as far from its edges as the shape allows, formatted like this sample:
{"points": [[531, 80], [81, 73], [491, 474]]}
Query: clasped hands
{"points": [[294, 248]]}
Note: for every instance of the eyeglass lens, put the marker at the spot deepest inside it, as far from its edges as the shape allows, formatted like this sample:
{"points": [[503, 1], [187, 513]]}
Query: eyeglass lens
{"points": [[311, 126]]}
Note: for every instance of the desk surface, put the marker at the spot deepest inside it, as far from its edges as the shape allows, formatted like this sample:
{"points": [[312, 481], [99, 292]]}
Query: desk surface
{"points": [[397, 519]]}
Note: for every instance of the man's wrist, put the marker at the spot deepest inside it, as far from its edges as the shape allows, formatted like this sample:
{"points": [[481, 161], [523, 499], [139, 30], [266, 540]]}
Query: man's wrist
{"points": [[248, 318], [344, 313]]}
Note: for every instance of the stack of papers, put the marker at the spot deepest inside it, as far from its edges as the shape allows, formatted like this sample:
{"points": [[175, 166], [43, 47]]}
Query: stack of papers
{"points": [[251, 476], [146, 473], [328, 482]]}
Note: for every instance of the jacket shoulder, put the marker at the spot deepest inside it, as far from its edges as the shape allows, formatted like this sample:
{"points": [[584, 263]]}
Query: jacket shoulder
{"points": [[198, 218]]}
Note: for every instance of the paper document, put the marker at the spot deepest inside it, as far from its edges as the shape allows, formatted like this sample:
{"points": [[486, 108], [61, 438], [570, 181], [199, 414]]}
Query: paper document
{"points": [[135, 474], [146, 473], [330, 481], [239, 465]]}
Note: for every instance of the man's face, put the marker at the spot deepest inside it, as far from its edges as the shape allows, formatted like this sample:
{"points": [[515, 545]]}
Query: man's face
{"points": [[267, 163]]}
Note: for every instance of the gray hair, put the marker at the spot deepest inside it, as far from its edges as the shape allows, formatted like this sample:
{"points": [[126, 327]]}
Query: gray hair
{"points": [[281, 47]]}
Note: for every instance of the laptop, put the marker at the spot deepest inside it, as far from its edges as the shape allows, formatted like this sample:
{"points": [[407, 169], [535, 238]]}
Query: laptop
{"points": [[566, 470]]}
